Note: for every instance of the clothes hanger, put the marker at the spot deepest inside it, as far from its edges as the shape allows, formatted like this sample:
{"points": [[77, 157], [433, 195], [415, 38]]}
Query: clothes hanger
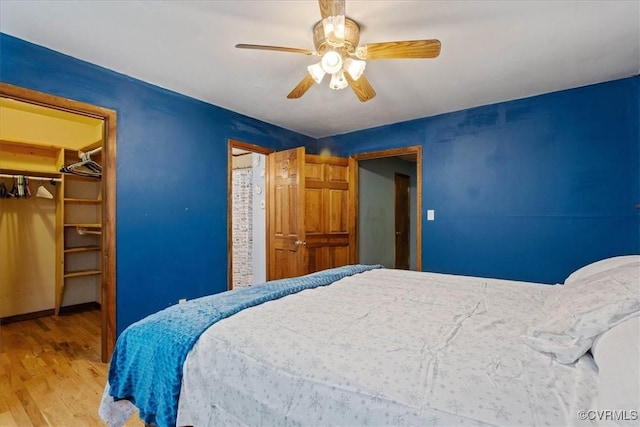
{"points": [[14, 189], [23, 182], [44, 193], [85, 167]]}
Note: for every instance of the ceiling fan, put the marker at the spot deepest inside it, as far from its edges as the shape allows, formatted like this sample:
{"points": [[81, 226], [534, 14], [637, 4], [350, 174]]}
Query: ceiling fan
{"points": [[336, 39]]}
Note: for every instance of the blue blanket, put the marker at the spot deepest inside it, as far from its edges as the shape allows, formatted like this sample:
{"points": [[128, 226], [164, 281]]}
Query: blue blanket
{"points": [[146, 365]]}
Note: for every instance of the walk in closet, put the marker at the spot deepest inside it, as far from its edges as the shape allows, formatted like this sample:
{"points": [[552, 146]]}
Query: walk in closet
{"points": [[50, 210]]}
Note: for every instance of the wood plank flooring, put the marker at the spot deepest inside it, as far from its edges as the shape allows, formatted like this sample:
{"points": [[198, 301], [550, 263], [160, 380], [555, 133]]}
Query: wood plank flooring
{"points": [[50, 372]]}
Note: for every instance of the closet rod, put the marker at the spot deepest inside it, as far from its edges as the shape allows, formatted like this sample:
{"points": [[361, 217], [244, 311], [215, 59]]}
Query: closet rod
{"points": [[94, 151], [32, 178]]}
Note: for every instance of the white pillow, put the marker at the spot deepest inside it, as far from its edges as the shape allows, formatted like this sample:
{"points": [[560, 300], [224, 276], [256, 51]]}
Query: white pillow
{"points": [[617, 355], [577, 314], [598, 267]]}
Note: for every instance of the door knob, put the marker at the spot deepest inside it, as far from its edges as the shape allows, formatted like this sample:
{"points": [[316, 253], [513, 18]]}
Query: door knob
{"points": [[300, 243]]}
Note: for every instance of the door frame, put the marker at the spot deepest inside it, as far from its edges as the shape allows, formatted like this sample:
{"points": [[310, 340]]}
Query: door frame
{"points": [[108, 280], [233, 143], [395, 152]]}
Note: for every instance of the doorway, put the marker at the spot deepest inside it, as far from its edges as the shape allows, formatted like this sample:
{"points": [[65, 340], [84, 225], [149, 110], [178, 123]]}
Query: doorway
{"points": [[378, 238], [247, 210], [107, 222]]}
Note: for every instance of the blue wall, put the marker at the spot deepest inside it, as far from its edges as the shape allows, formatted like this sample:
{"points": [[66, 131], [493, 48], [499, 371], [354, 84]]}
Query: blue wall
{"points": [[528, 189], [171, 174]]}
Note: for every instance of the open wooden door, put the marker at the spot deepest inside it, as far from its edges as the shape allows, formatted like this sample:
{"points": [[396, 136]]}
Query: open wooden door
{"points": [[329, 212], [311, 217], [285, 219]]}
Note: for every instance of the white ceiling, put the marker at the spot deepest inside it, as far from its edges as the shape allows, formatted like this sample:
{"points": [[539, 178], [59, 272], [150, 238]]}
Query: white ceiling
{"points": [[492, 51]]}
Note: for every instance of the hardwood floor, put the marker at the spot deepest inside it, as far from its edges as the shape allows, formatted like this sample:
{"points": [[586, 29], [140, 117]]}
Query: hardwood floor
{"points": [[50, 372]]}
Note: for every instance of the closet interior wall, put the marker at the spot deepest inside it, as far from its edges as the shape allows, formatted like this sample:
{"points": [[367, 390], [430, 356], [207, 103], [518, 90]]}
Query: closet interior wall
{"points": [[28, 256]]}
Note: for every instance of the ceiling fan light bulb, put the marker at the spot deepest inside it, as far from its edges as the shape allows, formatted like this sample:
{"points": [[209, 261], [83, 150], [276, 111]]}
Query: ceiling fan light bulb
{"points": [[334, 30], [331, 62], [338, 81], [327, 24], [354, 67], [316, 71]]}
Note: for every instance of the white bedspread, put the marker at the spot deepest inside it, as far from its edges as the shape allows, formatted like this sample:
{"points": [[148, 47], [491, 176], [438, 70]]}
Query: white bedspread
{"points": [[385, 347]]}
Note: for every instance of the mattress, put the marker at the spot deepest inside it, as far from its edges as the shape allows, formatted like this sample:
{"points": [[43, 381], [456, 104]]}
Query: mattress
{"points": [[385, 347]]}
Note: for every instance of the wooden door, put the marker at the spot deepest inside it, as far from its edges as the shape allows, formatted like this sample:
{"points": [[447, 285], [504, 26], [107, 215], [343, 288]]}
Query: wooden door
{"points": [[330, 212], [402, 221], [285, 218], [311, 213]]}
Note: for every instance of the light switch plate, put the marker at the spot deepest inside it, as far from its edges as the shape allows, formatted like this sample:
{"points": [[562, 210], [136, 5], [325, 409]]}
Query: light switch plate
{"points": [[431, 215]]}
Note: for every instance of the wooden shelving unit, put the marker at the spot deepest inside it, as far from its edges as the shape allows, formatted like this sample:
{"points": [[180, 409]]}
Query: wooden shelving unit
{"points": [[81, 229]]}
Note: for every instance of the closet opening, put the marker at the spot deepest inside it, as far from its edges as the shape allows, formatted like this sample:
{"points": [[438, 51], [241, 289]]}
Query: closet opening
{"points": [[247, 214], [57, 217]]}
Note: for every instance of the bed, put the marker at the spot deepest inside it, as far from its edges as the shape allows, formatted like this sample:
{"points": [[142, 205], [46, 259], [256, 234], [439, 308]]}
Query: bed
{"points": [[369, 346]]}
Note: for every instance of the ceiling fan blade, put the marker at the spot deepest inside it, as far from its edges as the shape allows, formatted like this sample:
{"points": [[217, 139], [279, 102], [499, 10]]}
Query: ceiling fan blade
{"points": [[331, 8], [276, 48], [401, 49], [302, 87], [361, 87]]}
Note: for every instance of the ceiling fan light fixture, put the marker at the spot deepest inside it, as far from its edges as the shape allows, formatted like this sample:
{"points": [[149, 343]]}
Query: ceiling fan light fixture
{"points": [[354, 67], [316, 71], [331, 62], [338, 81], [336, 39]]}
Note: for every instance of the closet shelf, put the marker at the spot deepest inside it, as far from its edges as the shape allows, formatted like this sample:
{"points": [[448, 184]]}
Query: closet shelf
{"points": [[82, 249], [84, 225], [31, 172], [81, 273], [83, 201], [28, 148], [81, 177]]}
